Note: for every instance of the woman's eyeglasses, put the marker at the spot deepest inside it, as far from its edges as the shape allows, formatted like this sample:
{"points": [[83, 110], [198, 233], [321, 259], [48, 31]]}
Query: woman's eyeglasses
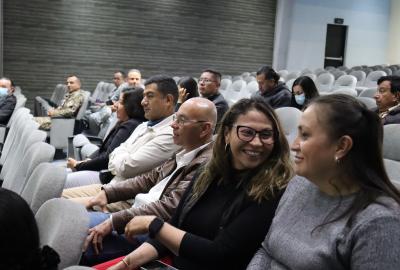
{"points": [[247, 134]]}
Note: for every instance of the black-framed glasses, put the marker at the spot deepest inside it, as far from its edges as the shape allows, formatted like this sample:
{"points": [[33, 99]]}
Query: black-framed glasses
{"points": [[205, 80], [180, 120], [247, 134]]}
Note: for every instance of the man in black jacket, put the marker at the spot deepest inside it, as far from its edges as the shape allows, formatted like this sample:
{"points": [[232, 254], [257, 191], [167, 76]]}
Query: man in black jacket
{"points": [[7, 100], [274, 92], [209, 83]]}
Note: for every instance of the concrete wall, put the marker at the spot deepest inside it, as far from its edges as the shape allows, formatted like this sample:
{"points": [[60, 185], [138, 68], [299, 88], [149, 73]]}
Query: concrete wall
{"points": [[44, 40]]}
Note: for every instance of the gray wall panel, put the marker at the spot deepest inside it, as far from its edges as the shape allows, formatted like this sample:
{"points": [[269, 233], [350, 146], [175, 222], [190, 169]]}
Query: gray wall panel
{"points": [[44, 40]]}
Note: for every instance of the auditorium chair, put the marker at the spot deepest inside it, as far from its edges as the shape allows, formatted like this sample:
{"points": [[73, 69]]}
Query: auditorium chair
{"points": [[391, 152], [46, 182], [63, 225], [345, 81], [325, 82], [42, 105], [37, 153], [62, 128], [289, 117], [369, 102]]}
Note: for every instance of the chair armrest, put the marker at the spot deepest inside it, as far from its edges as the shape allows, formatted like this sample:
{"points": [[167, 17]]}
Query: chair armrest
{"points": [[95, 139]]}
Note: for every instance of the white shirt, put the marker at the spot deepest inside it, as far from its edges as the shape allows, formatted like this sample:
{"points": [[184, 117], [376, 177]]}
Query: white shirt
{"points": [[146, 148]]}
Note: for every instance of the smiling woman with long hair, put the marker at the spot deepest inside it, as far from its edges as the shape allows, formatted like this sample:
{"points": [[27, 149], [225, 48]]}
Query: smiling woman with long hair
{"points": [[226, 212], [344, 213]]}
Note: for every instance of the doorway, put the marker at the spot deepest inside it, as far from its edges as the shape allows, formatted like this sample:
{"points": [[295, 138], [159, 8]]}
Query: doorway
{"points": [[335, 45]]}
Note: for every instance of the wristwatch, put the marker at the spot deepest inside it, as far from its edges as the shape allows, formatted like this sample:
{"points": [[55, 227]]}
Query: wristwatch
{"points": [[155, 226]]}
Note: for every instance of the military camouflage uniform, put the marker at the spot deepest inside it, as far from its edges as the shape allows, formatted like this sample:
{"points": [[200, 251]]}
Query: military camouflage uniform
{"points": [[69, 108]]}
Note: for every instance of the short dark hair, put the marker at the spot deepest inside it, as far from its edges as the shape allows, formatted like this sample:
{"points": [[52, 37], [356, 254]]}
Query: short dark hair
{"points": [[394, 82], [121, 72], [216, 74], [74, 75], [269, 73], [165, 85], [190, 85], [131, 99]]}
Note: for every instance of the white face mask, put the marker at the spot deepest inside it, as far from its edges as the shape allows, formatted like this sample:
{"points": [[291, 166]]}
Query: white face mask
{"points": [[3, 91], [300, 99]]}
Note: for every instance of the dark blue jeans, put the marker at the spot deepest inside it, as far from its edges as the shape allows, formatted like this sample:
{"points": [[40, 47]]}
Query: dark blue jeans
{"points": [[114, 245]]}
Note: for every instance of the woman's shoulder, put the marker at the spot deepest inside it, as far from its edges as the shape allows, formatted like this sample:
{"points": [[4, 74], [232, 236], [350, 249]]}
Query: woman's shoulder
{"points": [[384, 208], [298, 184]]}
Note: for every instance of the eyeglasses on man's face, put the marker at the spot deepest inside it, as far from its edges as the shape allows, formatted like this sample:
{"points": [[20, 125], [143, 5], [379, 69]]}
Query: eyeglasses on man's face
{"points": [[181, 120], [247, 134], [204, 80]]}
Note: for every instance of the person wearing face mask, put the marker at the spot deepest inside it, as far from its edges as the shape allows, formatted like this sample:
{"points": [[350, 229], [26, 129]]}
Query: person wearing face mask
{"points": [[303, 90], [7, 100]]}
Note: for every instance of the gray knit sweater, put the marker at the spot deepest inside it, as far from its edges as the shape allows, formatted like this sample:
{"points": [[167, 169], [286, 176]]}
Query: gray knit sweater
{"points": [[372, 242]]}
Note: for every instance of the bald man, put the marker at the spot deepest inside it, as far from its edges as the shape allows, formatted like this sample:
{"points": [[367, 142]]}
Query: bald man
{"points": [[70, 106], [7, 100], [158, 191]]}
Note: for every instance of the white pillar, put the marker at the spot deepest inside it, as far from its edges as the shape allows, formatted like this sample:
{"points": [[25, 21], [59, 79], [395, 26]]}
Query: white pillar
{"points": [[283, 22], [393, 56]]}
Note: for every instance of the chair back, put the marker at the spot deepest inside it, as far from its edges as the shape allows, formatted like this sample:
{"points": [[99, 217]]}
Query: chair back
{"points": [[289, 117], [37, 153], [325, 82], [63, 225], [46, 182]]}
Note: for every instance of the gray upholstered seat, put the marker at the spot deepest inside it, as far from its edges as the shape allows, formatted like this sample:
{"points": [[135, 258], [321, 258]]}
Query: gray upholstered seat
{"points": [[345, 81], [369, 102], [325, 82], [289, 117], [391, 151], [46, 182], [63, 225], [62, 128], [37, 153]]}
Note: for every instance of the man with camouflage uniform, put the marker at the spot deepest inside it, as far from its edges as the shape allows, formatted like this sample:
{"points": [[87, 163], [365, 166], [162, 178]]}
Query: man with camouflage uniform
{"points": [[69, 107]]}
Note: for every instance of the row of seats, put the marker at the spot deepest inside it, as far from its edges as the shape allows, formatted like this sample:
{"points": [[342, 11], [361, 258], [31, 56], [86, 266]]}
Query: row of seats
{"points": [[28, 171], [63, 225]]}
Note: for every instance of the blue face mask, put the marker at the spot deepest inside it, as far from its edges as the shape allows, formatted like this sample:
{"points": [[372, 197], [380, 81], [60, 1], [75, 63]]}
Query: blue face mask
{"points": [[300, 99], [3, 91]]}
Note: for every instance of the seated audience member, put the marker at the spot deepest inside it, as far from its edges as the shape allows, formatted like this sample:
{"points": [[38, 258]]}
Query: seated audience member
{"points": [[157, 192], [100, 116], [19, 237], [303, 90], [225, 213], [69, 107], [133, 80], [274, 92], [388, 99], [208, 84], [345, 213], [119, 79], [151, 143], [187, 88], [130, 114], [7, 100]]}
